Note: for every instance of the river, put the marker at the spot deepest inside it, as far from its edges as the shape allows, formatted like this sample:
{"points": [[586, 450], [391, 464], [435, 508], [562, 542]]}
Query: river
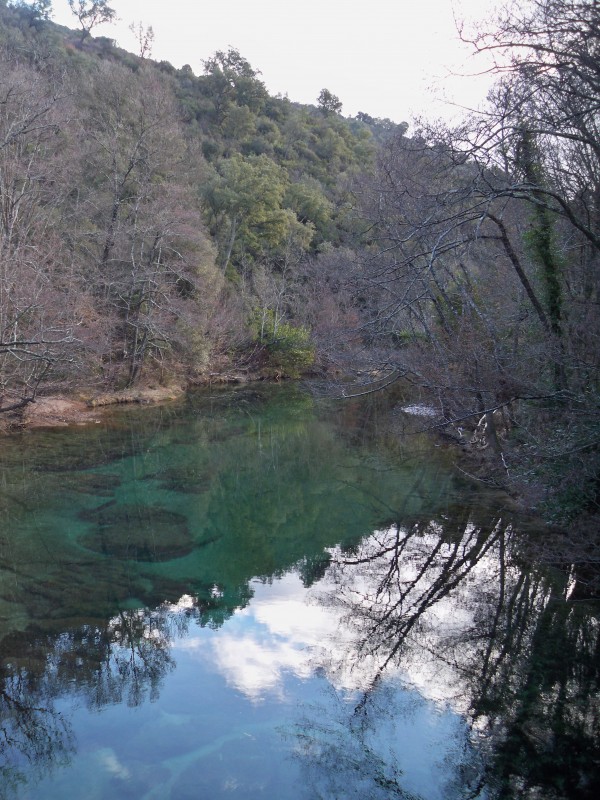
{"points": [[252, 593]]}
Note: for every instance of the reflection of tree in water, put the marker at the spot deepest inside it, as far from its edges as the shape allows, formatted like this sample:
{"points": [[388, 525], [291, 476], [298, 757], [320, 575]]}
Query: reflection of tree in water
{"points": [[32, 732], [122, 660], [508, 643], [404, 573], [338, 754], [350, 747], [542, 674]]}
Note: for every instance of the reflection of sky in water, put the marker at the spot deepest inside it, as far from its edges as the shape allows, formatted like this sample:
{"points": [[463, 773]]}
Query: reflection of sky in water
{"points": [[285, 629], [266, 705], [284, 636], [278, 633]]}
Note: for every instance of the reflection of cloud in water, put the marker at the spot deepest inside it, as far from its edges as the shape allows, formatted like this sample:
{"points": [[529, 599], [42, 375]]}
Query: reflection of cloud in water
{"points": [[286, 630], [108, 759], [391, 742], [278, 634], [283, 609], [255, 666], [289, 629], [398, 740]]}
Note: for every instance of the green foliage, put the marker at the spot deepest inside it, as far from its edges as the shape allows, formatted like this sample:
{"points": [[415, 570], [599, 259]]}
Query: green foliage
{"points": [[244, 202], [541, 244], [329, 103], [310, 204], [289, 349], [231, 81]]}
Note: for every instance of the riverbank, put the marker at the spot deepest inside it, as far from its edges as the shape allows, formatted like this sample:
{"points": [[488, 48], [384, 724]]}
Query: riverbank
{"points": [[62, 410], [86, 408]]}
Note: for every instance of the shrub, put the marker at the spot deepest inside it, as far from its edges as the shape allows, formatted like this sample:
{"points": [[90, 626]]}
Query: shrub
{"points": [[288, 347]]}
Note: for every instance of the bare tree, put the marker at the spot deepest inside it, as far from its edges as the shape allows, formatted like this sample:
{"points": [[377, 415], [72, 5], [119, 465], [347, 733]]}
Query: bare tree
{"points": [[37, 296], [152, 263], [482, 245], [144, 37]]}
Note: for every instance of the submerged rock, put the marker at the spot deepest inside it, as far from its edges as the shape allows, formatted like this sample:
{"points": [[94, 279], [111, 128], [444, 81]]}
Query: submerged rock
{"points": [[137, 533]]}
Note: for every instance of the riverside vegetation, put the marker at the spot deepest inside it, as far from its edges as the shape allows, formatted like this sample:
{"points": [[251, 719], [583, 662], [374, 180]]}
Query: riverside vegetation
{"points": [[160, 227]]}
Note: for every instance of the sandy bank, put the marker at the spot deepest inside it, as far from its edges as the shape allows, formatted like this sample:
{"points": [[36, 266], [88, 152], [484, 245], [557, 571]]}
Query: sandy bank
{"points": [[58, 411]]}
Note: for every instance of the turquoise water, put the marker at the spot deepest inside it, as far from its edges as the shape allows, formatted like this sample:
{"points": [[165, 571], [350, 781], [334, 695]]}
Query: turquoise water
{"points": [[252, 594]]}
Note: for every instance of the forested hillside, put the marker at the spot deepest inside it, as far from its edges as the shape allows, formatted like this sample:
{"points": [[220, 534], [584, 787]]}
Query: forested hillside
{"points": [[162, 226], [154, 221]]}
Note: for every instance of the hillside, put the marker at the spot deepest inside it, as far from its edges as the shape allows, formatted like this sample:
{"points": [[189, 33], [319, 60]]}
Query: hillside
{"points": [[156, 220]]}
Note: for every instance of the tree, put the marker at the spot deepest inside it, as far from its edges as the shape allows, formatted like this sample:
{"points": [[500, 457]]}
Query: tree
{"points": [[34, 11], [230, 80], [541, 134], [329, 103], [150, 262], [144, 37], [542, 125], [308, 200], [38, 294], [245, 208], [91, 13]]}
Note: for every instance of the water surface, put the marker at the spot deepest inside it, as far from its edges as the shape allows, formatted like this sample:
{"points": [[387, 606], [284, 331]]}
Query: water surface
{"points": [[251, 594]]}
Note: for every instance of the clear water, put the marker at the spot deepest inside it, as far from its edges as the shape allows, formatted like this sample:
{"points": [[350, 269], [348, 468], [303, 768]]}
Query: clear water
{"points": [[254, 595]]}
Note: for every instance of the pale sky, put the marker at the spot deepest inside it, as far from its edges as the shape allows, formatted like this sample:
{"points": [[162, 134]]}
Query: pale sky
{"points": [[389, 58]]}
